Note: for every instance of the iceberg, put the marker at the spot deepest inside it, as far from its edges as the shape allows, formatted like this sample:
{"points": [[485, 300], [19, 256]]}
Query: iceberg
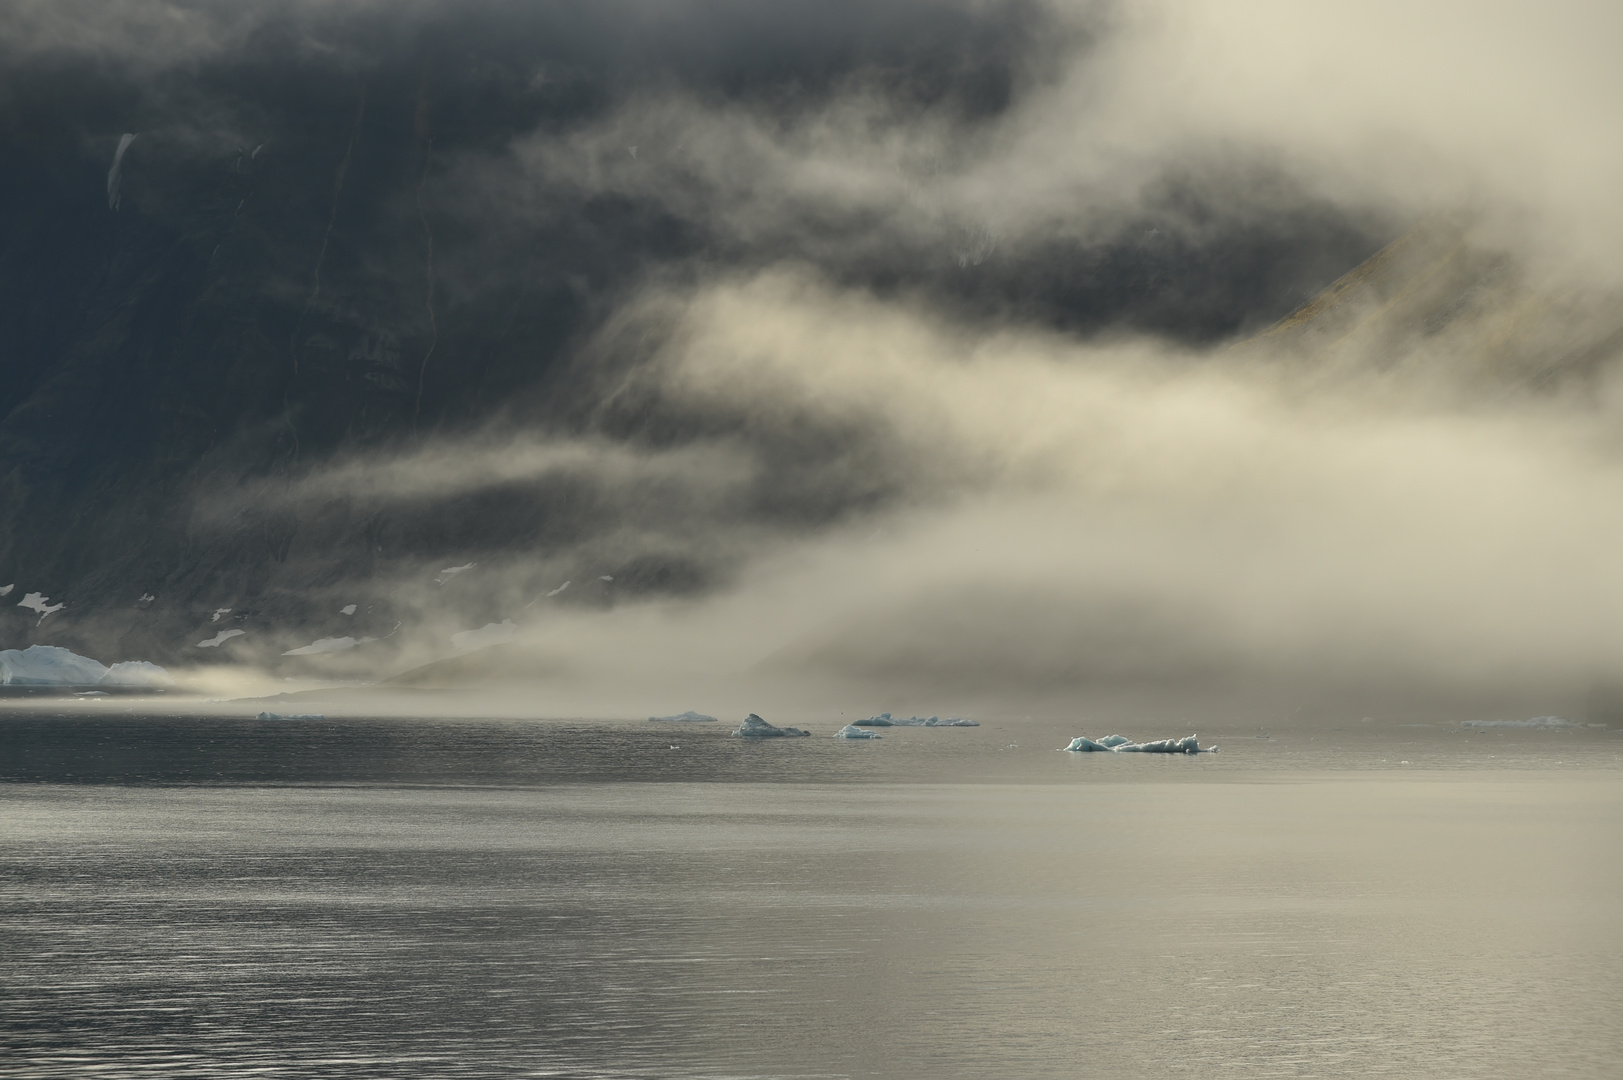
{"points": [[48, 665], [215, 615], [1538, 722], [52, 665], [754, 727], [136, 673], [689, 717], [851, 731], [1121, 744], [221, 638], [887, 720], [289, 716], [324, 645]]}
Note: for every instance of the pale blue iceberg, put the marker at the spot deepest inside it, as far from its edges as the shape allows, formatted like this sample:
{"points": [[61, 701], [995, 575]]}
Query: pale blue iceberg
{"points": [[52, 665], [754, 727], [290, 716], [851, 731], [689, 717]]}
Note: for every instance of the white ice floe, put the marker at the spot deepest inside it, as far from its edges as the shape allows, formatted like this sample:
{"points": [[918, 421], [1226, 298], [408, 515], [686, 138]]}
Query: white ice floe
{"points": [[326, 645], [1542, 722], [221, 638], [754, 727], [217, 613], [1121, 744], [689, 717], [41, 603], [489, 634], [851, 731], [605, 577], [559, 589], [115, 175], [136, 673], [887, 720], [347, 609], [290, 716], [52, 665], [5, 590], [452, 571]]}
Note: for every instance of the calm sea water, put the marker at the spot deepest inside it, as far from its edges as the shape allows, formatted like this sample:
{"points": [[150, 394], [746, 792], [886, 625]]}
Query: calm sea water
{"points": [[409, 898]]}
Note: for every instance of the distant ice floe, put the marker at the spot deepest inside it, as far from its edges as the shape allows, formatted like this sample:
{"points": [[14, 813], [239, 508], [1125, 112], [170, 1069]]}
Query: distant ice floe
{"points": [[559, 589], [452, 571], [601, 577], [689, 717], [754, 727], [5, 590], [887, 720], [489, 634], [1121, 744], [221, 638], [115, 175], [41, 603], [215, 615], [851, 731], [289, 716], [347, 609], [145, 600], [1541, 722], [325, 645], [52, 665]]}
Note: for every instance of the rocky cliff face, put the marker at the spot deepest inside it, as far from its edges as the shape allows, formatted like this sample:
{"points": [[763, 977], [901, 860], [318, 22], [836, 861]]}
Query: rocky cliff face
{"points": [[346, 230]]}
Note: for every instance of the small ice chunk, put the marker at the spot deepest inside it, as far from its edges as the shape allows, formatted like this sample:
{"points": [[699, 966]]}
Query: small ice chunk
{"points": [[347, 609], [48, 665], [136, 673], [40, 603], [452, 571], [115, 175], [218, 612], [324, 645], [221, 638], [559, 589], [1538, 722], [754, 727], [689, 717], [851, 731], [488, 634], [1121, 744]]}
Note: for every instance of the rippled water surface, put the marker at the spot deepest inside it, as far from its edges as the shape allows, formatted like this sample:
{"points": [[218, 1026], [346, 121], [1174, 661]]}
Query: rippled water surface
{"points": [[214, 897]]}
